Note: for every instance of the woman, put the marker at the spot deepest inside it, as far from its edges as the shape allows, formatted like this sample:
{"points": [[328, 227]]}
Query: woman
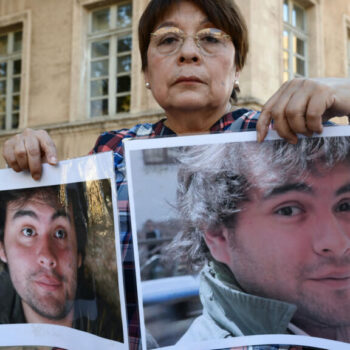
{"points": [[194, 87], [297, 107], [192, 53]]}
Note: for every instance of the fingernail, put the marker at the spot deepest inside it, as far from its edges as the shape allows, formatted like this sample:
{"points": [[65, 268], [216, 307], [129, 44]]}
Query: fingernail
{"points": [[36, 177], [53, 160]]}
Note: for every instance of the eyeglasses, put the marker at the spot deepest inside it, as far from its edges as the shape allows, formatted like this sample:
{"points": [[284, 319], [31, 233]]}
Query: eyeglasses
{"points": [[210, 41]]}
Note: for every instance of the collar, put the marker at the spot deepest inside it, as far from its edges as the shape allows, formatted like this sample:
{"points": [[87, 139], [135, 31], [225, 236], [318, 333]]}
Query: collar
{"points": [[222, 124], [238, 312]]}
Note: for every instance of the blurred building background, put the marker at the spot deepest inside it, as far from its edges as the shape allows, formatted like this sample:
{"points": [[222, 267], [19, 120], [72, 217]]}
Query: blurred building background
{"points": [[73, 67]]}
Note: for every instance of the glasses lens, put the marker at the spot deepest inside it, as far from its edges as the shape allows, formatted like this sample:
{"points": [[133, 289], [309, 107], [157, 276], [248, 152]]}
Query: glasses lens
{"points": [[212, 40], [167, 40]]}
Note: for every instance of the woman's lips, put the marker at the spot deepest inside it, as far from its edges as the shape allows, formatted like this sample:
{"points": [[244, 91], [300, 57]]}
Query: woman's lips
{"points": [[188, 80]]}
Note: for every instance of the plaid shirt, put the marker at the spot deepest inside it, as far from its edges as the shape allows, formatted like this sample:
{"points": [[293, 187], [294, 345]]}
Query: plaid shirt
{"points": [[239, 120]]}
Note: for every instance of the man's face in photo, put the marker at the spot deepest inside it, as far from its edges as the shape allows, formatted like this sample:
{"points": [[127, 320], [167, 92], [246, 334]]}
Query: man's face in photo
{"points": [[40, 249], [292, 243]]}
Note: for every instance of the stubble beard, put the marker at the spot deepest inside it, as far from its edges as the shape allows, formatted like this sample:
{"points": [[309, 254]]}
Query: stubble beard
{"points": [[316, 308], [52, 309], [49, 306]]}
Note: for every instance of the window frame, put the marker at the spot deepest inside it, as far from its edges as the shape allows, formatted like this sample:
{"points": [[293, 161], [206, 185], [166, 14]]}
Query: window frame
{"points": [[23, 19], [301, 34], [9, 58], [111, 35]]}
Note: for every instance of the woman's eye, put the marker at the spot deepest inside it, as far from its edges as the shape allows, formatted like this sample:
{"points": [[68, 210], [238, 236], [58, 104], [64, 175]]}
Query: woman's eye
{"points": [[168, 40], [289, 211], [28, 232], [343, 206], [60, 234], [210, 39]]}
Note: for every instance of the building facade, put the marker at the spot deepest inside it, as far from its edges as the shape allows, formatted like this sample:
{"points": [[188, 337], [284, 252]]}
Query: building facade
{"points": [[72, 67]]}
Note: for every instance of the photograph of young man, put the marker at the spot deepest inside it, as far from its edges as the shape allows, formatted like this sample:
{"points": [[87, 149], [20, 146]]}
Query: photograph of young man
{"points": [[43, 239], [269, 226]]}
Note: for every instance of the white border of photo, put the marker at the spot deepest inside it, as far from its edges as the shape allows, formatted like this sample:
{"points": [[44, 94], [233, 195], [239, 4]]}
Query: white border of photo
{"points": [[94, 167], [131, 145]]}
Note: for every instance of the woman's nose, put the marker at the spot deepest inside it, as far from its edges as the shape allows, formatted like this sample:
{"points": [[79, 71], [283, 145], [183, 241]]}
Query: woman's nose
{"points": [[189, 51]]}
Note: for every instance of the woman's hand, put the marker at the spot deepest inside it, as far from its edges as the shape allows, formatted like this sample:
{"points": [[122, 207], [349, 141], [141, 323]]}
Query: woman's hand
{"points": [[28, 150], [300, 106]]}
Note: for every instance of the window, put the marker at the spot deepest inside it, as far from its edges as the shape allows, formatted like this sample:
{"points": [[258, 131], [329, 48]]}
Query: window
{"points": [[294, 41], [10, 78], [110, 45], [348, 53]]}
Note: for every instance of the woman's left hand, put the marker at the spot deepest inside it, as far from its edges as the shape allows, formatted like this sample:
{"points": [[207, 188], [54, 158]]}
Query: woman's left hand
{"points": [[301, 105]]}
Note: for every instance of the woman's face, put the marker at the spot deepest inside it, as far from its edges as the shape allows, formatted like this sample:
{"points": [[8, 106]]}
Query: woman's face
{"points": [[188, 80]]}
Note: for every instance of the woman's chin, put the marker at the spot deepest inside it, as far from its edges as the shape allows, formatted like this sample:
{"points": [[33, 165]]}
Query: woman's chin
{"points": [[189, 102]]}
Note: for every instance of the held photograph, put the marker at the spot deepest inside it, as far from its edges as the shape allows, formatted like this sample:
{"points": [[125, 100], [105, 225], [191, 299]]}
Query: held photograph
{"points": [[235, 238], [60, 259]]}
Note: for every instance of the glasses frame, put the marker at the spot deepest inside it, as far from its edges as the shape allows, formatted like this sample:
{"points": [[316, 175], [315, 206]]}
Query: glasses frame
{"points": [[184, 36]]}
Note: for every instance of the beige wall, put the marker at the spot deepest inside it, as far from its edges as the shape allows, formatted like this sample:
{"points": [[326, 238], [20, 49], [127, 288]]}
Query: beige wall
{"points": [[54, 63], [50, 51], [262, 75], [336, 15]]}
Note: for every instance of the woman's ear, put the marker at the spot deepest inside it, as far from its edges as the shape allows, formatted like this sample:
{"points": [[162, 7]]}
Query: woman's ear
{"points": [[218, 243], [237, 74], [146, 76]]}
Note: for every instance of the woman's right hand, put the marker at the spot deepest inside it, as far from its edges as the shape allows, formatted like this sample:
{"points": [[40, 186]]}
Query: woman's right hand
{"points": [[28, 150]]}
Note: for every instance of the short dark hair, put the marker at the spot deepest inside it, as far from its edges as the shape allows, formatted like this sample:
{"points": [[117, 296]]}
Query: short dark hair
{"points": [[72, 194], [224, 14]]}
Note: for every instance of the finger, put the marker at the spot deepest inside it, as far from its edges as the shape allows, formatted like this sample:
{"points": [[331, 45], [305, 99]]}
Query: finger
{"points": [[274, 109], [280, 125], [307, 106], [278, 110], [283, 129], [262, 126], [265, 117], [34, 157], [295, 112], [47, 147], [9, 156], [20, 153], [318, 105]]}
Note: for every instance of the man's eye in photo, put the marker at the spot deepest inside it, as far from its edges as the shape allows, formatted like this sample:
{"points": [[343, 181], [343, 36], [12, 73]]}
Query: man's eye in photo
{"points": [[60, 233], [343, 206], [289, 211], [28, 232]]}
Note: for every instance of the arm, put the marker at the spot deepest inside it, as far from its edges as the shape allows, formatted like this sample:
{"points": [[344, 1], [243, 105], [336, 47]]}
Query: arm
{"points": [[28, 150], [301, 105]]}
